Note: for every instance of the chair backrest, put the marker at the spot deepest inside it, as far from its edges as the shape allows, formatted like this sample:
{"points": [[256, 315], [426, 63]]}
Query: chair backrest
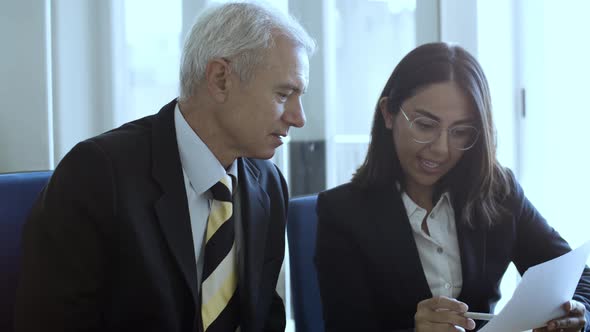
{"points": [[18, 192], [301, 235]]}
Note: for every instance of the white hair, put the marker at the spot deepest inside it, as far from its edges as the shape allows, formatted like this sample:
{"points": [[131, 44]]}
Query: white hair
{"points": [[242, 32]]}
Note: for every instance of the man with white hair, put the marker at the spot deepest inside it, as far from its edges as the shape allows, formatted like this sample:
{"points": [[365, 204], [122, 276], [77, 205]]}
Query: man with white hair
{"points": [[175, 222]]}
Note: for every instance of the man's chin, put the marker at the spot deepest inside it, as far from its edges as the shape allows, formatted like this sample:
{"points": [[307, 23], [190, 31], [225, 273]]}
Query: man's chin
{"points": [[263, 154]]}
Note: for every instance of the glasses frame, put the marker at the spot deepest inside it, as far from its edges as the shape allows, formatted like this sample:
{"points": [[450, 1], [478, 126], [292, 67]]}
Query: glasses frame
{"points": [[411, 124]]}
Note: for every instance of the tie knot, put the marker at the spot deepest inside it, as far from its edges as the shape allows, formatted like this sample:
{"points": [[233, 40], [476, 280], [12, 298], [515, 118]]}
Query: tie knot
{"points": [[222, 190]]}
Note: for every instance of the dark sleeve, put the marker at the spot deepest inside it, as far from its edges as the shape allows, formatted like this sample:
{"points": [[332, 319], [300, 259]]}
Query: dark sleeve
{"points": [[62, 250], [582, 295], [538, 242], [276, 320], [345, 290]]}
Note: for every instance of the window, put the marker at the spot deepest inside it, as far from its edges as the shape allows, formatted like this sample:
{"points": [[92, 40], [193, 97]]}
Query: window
{"points": [[153, 43], [553, 168], [369, 38]]}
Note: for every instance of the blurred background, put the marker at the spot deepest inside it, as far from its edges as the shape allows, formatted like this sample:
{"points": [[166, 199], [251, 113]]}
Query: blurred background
{"points": [[71, 69]]}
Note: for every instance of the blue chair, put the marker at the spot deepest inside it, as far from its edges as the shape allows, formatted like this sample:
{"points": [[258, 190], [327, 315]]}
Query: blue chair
{"points": [[301, 235], [18, 192]]}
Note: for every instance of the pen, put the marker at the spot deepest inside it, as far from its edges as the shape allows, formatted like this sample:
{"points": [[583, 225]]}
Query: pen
{"points": [[478, 315]]}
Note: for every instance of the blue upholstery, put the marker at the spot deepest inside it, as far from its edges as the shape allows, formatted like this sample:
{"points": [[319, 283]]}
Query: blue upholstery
{"points": [[301, 234], [18, 192]]}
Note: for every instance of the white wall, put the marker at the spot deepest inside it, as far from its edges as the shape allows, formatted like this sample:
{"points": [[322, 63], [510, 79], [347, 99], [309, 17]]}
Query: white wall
{"points": [[486, 30], [555, 129], [458, 23], [57, 79], [496, 52], [427, 21], [83, 83], [25, 93]]}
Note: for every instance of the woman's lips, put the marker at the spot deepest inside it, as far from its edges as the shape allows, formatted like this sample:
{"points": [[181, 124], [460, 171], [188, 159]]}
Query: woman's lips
{"points": [[430, 166]]}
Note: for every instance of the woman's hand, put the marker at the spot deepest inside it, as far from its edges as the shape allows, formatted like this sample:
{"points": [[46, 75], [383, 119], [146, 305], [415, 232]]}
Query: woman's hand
{"points": [[442, 314], [573, 321]]}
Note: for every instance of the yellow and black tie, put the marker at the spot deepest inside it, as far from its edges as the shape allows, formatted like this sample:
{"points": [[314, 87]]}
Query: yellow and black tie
{"points": [[219, 290]]}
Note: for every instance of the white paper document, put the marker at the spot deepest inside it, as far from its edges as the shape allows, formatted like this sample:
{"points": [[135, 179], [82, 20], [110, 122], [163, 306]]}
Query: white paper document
{"points": [[543, 290]]}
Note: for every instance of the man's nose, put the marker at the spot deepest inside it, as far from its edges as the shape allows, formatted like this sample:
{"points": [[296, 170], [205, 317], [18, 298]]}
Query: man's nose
{"points": [[295, 115]]}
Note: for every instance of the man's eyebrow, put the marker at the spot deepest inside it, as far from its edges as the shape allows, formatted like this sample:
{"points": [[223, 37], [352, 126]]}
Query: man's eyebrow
{"points": [[427, 114], [289, 86]]}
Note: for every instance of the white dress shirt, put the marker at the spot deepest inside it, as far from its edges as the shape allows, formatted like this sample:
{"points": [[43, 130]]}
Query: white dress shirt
{"points": [[439, 251], [201, 171]]}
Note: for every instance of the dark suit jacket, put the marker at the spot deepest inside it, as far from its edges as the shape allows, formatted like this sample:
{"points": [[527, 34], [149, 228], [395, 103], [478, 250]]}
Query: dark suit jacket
{"points": [[108, 245], [369, 270]]}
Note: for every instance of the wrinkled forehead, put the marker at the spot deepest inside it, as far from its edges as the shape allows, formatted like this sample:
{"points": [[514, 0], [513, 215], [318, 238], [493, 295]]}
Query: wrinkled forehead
{"points": [[289, 61]]}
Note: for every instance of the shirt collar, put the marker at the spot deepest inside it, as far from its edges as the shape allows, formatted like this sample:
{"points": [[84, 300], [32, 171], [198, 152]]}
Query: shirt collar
{"points": [[198, 162], [411, 207]]}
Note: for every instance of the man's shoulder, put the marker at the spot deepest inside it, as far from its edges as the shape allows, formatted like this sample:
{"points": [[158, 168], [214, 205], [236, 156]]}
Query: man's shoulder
{"points": [[128, 148], [124, 150], [127, 137], [132, 136]]}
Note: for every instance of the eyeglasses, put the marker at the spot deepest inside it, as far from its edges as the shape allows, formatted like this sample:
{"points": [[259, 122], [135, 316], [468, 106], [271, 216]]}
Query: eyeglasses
{"points": [[426, 130]]}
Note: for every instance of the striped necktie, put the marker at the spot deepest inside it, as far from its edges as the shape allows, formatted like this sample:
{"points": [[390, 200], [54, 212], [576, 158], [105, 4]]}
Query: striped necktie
{"points": [[219, 290]]}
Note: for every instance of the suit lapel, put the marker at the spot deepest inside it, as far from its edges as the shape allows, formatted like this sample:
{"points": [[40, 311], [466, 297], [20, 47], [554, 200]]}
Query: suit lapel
{"points": [[472, 244], [393, 242], [255, 219], [395, 246], [172, 207]]}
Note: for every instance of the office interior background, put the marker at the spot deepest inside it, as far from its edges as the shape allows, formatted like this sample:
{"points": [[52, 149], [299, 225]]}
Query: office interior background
{"points": [[71, 69]]}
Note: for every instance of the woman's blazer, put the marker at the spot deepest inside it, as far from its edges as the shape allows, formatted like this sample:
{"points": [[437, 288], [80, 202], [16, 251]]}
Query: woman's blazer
{"points": [[369, 270]]}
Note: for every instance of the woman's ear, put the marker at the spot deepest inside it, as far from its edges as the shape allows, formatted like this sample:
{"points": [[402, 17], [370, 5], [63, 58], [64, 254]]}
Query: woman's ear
{"points": [[387, 116]]}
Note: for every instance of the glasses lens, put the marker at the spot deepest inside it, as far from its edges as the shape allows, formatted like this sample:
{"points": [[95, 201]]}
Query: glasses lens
{"points": [[463, 137], [424, 130]]}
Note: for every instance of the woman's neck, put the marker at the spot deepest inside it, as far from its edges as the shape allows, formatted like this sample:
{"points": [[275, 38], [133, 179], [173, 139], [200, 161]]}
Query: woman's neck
{"points": [[421, 195]]}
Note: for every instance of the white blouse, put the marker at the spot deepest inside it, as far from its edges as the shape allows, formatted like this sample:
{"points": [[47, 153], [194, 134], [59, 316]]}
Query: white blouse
{"points": [[439, 251]]}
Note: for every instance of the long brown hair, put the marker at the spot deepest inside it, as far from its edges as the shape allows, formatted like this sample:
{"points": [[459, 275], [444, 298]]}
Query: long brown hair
{"points": [[478, 183]]}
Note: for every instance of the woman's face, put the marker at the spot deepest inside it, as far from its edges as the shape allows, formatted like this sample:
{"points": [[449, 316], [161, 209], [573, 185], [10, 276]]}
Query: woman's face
{"points": [[424, 164]]}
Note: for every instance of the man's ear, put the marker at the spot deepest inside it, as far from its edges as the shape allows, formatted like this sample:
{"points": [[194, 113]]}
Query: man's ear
{"points": [[218, 78], [387, 116]]}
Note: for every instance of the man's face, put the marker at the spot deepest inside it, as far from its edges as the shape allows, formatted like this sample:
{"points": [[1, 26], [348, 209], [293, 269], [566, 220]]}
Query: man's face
{"points": [[260, 111]]}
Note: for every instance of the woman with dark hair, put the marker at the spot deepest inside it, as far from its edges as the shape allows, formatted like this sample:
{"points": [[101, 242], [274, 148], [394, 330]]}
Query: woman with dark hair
{"points": [[430, 221]]}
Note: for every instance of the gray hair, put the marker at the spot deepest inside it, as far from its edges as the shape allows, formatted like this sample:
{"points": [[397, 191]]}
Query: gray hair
{"points": [[242, 32]]}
